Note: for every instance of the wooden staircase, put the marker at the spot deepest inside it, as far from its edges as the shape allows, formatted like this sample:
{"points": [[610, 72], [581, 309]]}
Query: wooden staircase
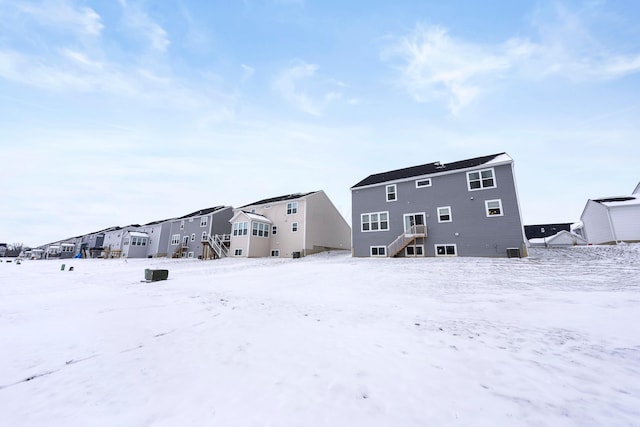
{"points": [[405, 239], [218, 244]]}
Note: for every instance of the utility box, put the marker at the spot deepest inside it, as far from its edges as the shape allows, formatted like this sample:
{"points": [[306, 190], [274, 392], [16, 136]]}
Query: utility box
{"points": [[513, 253], [155, 275]]}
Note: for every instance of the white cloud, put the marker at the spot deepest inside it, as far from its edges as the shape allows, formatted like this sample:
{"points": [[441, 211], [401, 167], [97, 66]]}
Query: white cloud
{"points": [[62, 14], [302, 87], [247, 72], [435, 66], [145, 27]]}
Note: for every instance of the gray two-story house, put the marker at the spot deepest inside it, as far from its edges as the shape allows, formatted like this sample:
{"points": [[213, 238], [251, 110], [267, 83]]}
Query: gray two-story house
{"points": [[464, 208]]}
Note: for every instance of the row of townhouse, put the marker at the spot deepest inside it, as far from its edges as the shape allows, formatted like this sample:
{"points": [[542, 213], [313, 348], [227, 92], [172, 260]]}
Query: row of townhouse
{"points": [[464, 208]]}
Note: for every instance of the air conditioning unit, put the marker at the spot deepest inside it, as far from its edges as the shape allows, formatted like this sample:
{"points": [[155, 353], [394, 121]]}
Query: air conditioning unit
{"points": [[513, 253]]}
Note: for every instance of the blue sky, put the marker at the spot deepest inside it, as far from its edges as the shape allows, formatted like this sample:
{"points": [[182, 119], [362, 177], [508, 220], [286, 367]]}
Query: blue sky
{"points": [[120, 112]]}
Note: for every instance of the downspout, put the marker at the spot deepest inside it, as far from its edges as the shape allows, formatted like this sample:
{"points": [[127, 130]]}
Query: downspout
{"points": [[249, 239]]}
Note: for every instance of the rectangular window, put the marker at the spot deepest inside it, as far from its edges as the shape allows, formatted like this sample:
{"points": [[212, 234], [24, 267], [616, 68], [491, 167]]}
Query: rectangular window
{"points": [[237, 252], [294, 227], [190, 255], [374, 221], [444, 214], [275, 253], [193, 237], [292, 208], [392, 193], [446, 250], [415, 250], [175, 239], [480, 180], [274, 230], [241, 228], [204, 236], [181, 225], [126, 242], [378, 251], [260, 229], [204, 221], [494, 207], [423, 183]]}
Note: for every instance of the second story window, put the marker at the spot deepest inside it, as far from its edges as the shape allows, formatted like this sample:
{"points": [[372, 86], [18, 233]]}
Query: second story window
{"points": [[480, 180], [294, 227], [204, 221], [392, 193], [240, 228], [374, 221], [274, 229], [292, 208], [444, 214], [181, 225], [494, 208]]}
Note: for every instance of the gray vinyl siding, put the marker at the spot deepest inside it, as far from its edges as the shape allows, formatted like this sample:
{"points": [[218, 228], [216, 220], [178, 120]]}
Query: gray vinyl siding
{"points": [[217, 223], [477, 234]]}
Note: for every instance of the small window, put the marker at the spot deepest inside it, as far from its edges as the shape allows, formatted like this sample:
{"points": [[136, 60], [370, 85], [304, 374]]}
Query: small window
{"points": [[190, 255], [126, 242], [480, 180], [414, 250], [193, 237], [392, 194], [444, 214], [423, 183], [292, 208], [237, 252], [204, 221], [494, 207], [204, 236], [294, 227], [275, 253], [378, 251], [181, 225], [446, 250], [274, 230]]}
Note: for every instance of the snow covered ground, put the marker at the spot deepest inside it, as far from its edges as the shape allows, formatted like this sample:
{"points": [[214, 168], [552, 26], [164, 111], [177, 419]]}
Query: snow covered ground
{"points": [[328, 340]]}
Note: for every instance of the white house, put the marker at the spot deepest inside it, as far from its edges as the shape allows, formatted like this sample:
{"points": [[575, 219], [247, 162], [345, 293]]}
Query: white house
{"points": [[612, 220], [294, 225]]}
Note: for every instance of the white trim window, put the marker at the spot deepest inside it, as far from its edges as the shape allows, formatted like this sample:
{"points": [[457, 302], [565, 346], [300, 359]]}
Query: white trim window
{"points": [[193, 237], [241, 228], [292, 208], [138, 241], [275, 253], [414, 250], [374, 221], [274, 229], [204, 237], [237, 252], [379, 251], [190, 255], [494, 207], [392, 193], [204, 221], [182, 225], [421, 183], [175, 239], [446, 250], [260, 229], [482, 179], [294, 227], [444, 214]]}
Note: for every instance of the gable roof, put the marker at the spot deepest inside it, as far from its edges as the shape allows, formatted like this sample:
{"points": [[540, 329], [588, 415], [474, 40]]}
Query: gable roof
{"points": [[251, 216], [279, 199], [429, 169]]}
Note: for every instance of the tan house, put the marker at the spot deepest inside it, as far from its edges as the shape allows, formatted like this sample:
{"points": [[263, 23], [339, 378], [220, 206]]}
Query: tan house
{"points": [[294, 225]]}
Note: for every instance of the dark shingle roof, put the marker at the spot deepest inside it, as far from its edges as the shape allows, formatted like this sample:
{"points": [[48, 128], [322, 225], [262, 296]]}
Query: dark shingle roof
{"points": [[279, 199], [426, 169], [202, 212]]}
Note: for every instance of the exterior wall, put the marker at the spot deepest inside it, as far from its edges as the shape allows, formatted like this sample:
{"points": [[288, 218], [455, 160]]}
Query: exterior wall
{"points": [[326, 228], [473, 233], [239, 242], [258, 246], [159, 238], [285, 240], [626, 222], [597, 228], [113, 240]]}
